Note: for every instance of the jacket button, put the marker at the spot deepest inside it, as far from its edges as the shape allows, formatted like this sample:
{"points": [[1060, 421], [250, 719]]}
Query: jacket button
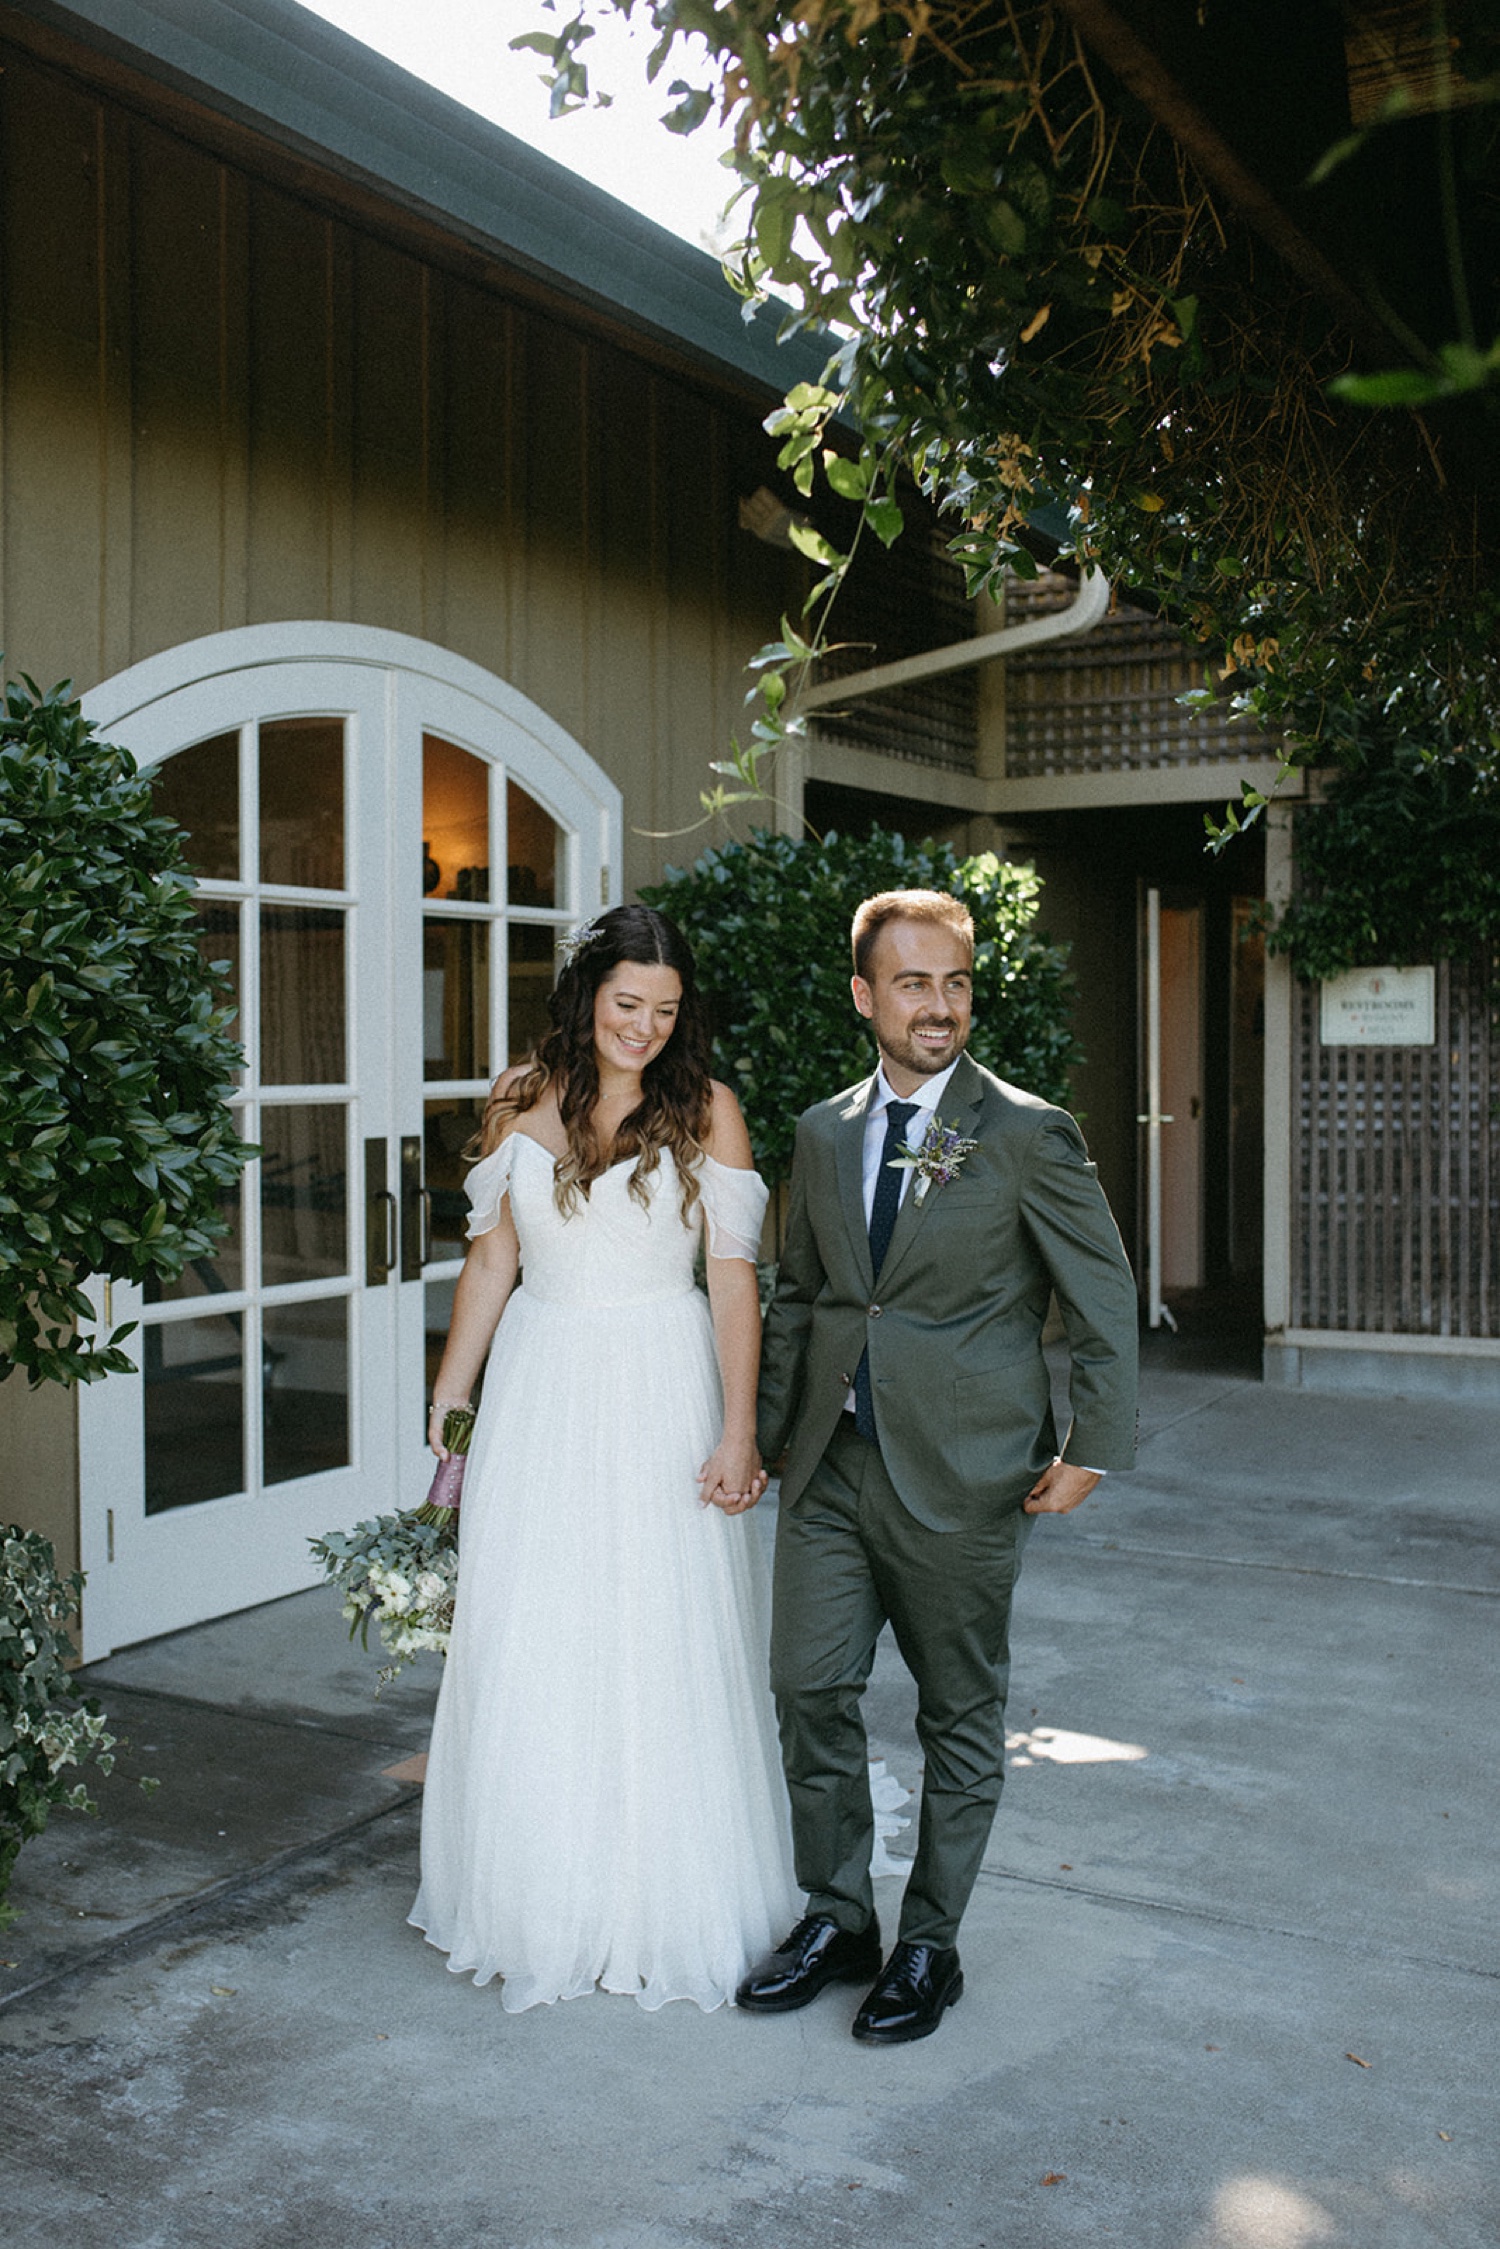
{"points": [[874, 1311]]}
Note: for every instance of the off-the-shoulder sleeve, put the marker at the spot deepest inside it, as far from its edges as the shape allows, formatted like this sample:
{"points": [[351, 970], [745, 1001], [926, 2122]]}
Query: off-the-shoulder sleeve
{"points": [[488, 1184], [734, 1204]]}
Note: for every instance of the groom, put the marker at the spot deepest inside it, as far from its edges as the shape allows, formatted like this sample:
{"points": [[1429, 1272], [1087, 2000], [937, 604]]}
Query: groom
{"points": [[903, 1375]]}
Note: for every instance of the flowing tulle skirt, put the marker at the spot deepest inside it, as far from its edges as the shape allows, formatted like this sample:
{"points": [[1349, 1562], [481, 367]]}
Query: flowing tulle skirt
{"points": [[604, 1801]]}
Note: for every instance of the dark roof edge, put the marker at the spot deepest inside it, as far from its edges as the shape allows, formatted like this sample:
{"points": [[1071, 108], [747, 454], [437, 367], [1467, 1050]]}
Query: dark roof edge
{"points": [[273, 66]]}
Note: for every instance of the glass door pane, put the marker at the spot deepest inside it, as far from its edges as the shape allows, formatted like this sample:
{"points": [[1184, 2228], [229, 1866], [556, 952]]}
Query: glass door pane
{"points": [[455, 821], [305, 1388], [303, 996], [194, 1404], [537, 871], [301, 809], [200, 789], [532, 973], [451, 1128], [304, 1192], [455, 998]]}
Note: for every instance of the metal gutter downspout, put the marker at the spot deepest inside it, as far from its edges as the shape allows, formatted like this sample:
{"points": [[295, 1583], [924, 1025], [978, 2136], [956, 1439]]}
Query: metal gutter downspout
{"points": [[1080, 616]]}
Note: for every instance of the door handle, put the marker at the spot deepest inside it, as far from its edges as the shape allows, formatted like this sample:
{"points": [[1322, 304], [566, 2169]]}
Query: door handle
{"points": [[413, 1196], [381, 1216]]}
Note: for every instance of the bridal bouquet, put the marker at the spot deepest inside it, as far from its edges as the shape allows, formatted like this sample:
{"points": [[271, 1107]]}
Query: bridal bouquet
{"points": [[400, 1572]]}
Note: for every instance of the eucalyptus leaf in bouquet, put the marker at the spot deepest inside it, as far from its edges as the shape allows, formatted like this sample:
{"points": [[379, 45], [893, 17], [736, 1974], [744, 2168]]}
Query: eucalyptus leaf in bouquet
{"points": [[400, 1572]]}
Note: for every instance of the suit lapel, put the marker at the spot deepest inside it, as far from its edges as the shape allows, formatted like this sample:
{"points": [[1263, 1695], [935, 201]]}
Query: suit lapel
{"points": [[963, 1098], [849, 1156]]}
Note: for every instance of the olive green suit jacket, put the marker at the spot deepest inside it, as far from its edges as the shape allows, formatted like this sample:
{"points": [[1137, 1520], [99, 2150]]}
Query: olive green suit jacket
{"points": [[954, 1324]]}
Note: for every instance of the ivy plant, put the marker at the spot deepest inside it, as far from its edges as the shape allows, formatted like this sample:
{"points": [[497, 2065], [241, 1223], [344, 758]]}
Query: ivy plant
{"points": [[769, 920], [47, 1728], [116, 1146]]}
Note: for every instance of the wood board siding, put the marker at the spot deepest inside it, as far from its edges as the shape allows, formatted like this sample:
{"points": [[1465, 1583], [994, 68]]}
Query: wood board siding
{"points": [[223, 405], [1396, 1171]]}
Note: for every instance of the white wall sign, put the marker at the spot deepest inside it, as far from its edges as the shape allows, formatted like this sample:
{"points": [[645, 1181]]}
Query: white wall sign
{"points": [[1379, 1007]]}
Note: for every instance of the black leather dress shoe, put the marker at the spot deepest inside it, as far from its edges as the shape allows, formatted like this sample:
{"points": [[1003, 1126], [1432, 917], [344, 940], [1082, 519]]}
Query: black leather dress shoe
{"points": [[817, 1952], [918, 1982]]}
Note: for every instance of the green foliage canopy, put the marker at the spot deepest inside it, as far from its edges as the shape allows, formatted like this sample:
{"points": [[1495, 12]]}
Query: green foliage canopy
{"points": [[1401, 862], [115, 1054], [768, 922], [1039, 301]]}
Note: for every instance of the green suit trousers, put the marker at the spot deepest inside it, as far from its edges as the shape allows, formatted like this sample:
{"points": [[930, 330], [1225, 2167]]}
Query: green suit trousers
{"points": [[849, 1558]]}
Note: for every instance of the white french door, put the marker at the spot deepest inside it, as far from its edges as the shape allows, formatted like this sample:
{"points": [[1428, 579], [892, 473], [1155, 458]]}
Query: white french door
{"points": [[387, 843]]}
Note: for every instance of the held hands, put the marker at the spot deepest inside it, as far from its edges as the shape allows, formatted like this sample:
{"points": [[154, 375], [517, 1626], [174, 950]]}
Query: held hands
{"points": [[731, 1478], [1059, 1489]]}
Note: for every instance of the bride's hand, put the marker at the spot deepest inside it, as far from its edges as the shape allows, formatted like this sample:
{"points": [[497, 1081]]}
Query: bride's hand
{"points": [[435, 1420], [732, 1478]]}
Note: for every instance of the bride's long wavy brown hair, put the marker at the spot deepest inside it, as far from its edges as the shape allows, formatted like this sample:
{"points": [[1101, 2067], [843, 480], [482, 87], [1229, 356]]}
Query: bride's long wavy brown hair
{"points": [[676, 1097]]}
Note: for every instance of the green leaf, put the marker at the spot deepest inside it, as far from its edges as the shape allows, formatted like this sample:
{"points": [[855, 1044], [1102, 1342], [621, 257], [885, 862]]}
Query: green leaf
{"points": [[813, 544], [692, 106], [776, 213], [1399, 386], [885, 519], [811, 398], [850, 479], [1005, 227]]}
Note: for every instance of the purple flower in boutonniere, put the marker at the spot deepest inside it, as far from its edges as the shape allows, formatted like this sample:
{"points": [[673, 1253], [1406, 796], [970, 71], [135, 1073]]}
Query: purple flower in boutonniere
{"points": [[941, 1156]]}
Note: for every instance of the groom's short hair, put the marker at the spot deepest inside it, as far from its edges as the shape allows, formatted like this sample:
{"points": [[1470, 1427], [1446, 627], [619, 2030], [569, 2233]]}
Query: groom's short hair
{"points": [[872, 914]]}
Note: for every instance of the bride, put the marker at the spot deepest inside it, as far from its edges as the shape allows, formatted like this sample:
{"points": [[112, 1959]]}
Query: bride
{"points": [[604, 1802]]}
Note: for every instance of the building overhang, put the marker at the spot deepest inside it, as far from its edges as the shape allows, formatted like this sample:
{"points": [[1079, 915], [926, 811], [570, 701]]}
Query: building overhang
{"points": [[269, 72]]}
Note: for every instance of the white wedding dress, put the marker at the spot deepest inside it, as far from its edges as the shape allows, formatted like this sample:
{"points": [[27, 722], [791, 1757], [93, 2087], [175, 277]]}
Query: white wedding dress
{"points": [[604, 1802]]}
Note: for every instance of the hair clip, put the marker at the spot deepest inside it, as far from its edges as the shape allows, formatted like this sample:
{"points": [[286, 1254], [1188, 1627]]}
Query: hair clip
{"points": [[570, 949]]}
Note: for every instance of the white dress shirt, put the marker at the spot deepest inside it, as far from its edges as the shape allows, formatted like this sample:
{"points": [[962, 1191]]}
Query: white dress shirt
{"points": [[927, 1096]]}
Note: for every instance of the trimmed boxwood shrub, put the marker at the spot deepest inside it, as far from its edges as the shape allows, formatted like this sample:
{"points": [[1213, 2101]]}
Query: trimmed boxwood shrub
{"points": [[115, 1053], [768, 921]]}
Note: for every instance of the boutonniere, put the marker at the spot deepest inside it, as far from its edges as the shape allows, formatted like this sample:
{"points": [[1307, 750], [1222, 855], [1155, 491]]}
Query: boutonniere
{"points": [[941, 1156]]}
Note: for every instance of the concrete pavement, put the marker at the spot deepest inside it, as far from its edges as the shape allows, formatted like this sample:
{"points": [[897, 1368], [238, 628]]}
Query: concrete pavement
{"points": [[1233, 1965]]}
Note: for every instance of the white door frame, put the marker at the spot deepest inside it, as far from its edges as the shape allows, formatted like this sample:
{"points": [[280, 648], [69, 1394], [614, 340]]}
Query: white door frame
{"points": [[168, 702]]}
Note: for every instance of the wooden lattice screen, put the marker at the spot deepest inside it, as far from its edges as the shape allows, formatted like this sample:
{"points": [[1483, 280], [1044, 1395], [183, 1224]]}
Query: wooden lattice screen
{"points": [[898, 604], [1107, 703], [1396, 1171]]}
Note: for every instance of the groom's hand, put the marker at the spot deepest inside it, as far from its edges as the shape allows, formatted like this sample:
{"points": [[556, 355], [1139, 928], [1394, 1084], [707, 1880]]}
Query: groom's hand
{"points": [[1059, 1489], [732, 1478]]}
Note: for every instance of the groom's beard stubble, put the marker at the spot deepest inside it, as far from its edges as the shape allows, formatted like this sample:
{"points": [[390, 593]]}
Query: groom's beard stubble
{"points": [[908, 1053]]}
